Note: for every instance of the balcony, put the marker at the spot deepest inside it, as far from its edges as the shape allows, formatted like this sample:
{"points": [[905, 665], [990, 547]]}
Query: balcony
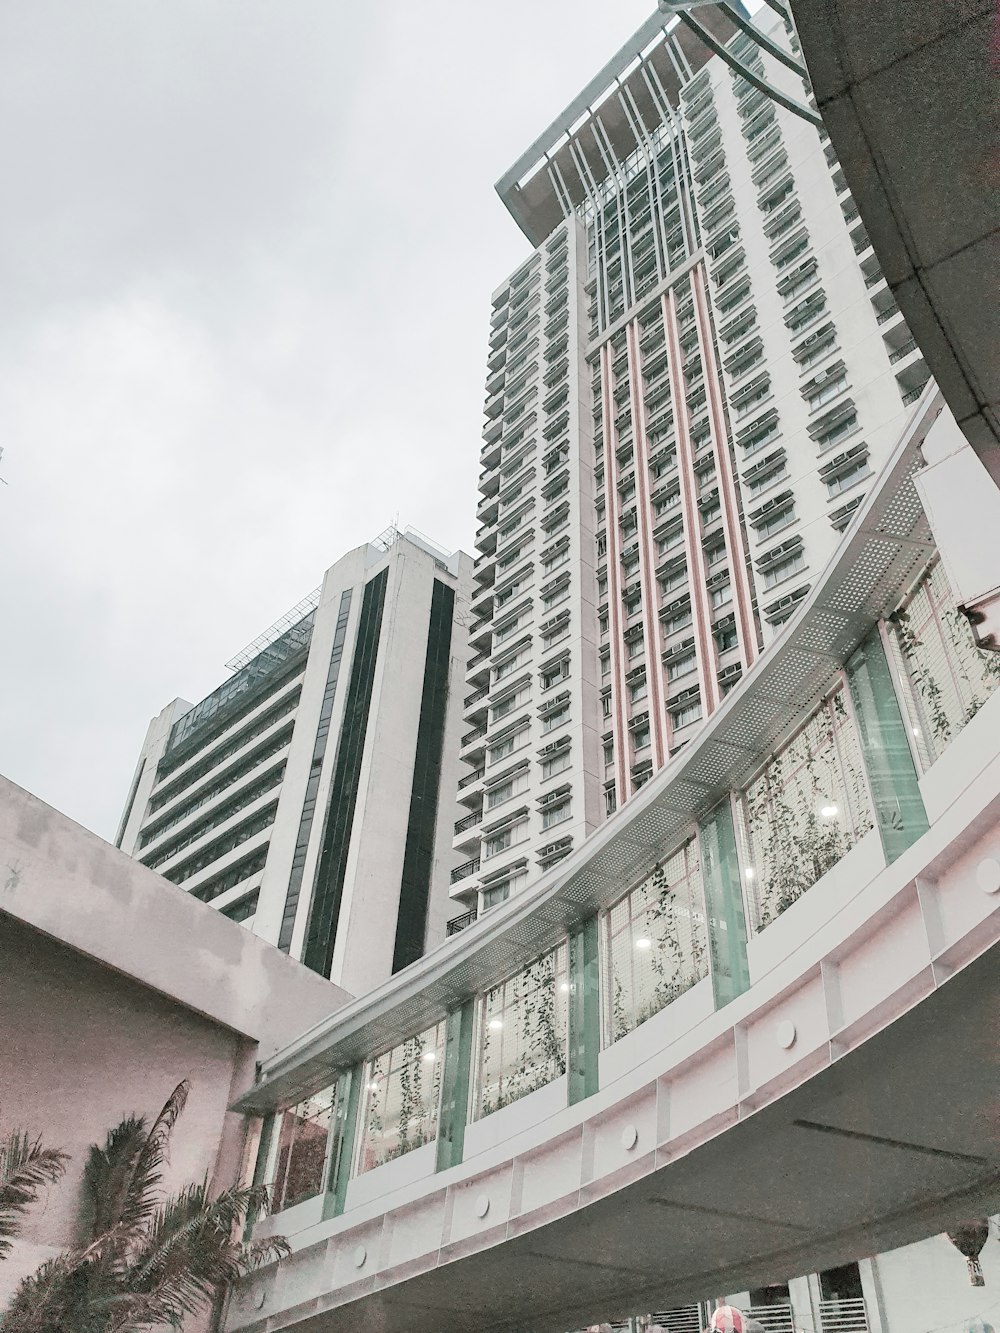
{"points": [[458, 923], [909, 346], [844, 1316], [470, 778], [474, 697], [470, 821], [463, 871], [468, 739]]}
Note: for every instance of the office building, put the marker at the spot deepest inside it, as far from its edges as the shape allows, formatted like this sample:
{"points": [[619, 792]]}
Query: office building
{"points": [[312, 795], [691, 381]]}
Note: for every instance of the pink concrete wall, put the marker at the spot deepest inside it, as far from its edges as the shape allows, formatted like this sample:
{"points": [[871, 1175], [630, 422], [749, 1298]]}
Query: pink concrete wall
{"points": [[83, 1046]]}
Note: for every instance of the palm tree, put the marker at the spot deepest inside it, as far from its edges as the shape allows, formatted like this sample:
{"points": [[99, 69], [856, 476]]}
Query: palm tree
{"points": [[148, 1260], [25, 1168]]}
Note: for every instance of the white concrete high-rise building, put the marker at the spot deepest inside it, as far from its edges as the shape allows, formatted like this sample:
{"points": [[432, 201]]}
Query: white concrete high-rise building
{"points": [[312, 795], [690, 381]]}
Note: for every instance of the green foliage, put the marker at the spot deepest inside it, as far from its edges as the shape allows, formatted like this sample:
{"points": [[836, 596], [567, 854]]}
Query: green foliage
{"points": [[150, 1259], [26, 1167]]}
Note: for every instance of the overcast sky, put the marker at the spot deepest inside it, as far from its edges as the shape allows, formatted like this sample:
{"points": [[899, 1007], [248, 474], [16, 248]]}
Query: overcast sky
{"points": [[248, 248]]}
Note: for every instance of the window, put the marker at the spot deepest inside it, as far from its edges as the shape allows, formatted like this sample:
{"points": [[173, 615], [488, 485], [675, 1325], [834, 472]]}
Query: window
{"points": [[685, 715], [766, 477], [403, 1091], [301, 1135], [630, 566], [512, 701], [710, 513], [552, 675], [557, 763], [682, 666], [505, 668], [499, 841], [609, 753], [640, 736], [806, 810], [493, 896], [844, 480], [501, 749], [726, 638], [523, 1033], [610, 800], [778, 518], [553, 561], [783, 569], [829, 390], [555, 596], [657, 946], [636, 646], [846, 426], [638, 689], [557, 812], [516, 783], [605, 705], [722, 594], [555, 718]]}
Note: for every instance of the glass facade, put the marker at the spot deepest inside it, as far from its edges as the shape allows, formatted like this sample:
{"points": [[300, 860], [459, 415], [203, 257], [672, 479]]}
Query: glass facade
{"points": [[402, 1098], [523, 1032], [324, 911], [300, 1137], [657, 945], [899, 807], [806, 810], [848, 769], [947, 678]]}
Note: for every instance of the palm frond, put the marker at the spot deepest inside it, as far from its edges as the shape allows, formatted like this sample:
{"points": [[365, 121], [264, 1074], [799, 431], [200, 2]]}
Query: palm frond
{"points": [[25, 1169], [59, 1296], [123, 1177], [192, 1254]]}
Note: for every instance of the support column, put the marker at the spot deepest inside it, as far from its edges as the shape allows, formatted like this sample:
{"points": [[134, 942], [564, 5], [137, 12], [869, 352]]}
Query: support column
{"points": [[727, 926], [340, 1144], [584, 1012], [455, 1086], [892, 775]]}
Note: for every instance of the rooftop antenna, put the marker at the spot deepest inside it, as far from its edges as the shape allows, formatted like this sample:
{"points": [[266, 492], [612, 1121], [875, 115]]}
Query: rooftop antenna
{"points": [[386, 540]]}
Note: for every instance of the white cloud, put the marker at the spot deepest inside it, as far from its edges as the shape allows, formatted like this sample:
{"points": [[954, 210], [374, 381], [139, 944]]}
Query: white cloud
{"points": [[247, 251]]}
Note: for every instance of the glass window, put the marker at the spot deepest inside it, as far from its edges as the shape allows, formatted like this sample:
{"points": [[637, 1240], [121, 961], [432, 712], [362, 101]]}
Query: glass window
{"points": [[684, 716], [555, 718], [640, 736], [947, 678], [556, 813], [300, 1164], [780, 571], [656, 942], [805, 811], [523, 1033], [403, 1092], [557, 764]]}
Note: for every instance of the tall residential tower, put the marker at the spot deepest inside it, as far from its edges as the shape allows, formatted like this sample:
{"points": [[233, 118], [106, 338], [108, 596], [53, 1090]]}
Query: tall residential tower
{"points": [[312, 795], [690, 381]]}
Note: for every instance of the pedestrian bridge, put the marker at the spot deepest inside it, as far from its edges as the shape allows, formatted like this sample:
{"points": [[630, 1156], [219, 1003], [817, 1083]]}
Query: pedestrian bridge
{"points": [[747, 1031]]}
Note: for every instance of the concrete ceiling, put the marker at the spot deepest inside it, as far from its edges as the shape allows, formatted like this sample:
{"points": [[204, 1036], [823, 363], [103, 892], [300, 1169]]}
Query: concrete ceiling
{"points": [[910, 93], [894, 1142]]}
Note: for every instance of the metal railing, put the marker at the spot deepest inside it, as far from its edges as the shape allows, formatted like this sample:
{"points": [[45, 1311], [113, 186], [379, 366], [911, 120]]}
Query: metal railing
{"points": [[914, 394], [458, 923], [474, 697], [843, 1316], [470, 778], [470, 821], [885, 315], [465, 869], [473, 735], [909, 346], [774, 1318]]}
